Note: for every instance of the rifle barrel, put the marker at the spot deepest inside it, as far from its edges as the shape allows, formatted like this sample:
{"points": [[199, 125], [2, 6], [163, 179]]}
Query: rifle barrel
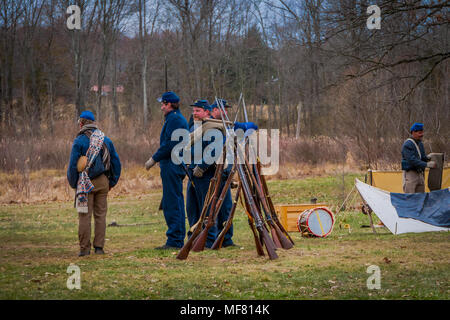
{"points": [[219, 240]]}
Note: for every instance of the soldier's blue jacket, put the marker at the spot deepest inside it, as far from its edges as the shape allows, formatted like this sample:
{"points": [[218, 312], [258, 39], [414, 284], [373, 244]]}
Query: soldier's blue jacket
{"points": [[79, 148], [410, 157], [173, 120]]}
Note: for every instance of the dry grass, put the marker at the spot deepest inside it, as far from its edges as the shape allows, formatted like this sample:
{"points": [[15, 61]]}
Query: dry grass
{"points": [[51, 185]]}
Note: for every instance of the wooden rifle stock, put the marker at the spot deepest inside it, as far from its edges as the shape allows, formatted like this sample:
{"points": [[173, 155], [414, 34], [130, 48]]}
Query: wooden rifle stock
{"points": [[213, 203], [200, 242], [271, 206], [219, 240], [278, 237], [260, 203], [264, 235], [285, 243], [258, 244], [184, 251], [251, 223]]}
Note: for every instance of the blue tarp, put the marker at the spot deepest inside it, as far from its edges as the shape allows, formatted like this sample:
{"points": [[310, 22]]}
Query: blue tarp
{"points": [[430, 207]]}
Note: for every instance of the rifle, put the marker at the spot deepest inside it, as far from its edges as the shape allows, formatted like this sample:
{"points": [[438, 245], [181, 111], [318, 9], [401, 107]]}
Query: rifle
{"points": [[264, 235], [259, 210], [184, 251], [199, 244], [277, 233], [251, 223], [271, 206], [278, 236], [219, 240], [188, 174], [259, 195]]}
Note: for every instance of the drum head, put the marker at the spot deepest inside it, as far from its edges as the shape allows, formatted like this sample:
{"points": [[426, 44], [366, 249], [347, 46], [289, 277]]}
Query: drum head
{"points": [[320, 222]]}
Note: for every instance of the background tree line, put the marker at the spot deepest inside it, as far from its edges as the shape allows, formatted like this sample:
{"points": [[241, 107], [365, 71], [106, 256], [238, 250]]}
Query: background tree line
{"points": [[311, 68]]}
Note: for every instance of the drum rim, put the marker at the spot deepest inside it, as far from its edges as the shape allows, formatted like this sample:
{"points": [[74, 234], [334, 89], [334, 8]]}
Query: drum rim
{"points": [[309, 229]]}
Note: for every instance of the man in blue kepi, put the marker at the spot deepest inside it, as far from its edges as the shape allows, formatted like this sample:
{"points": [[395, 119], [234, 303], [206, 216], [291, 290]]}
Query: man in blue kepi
{"points": [[414, 161], [225, 210], [172, 175], [94, 169], [202, 172]]}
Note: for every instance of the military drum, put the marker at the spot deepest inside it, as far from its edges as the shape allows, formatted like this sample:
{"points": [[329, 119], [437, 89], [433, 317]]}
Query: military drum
{"points": [[315, 222]]}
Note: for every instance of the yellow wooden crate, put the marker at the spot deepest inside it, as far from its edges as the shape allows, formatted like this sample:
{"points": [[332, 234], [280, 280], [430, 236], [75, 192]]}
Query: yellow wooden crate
{"points": [[288, 213]]}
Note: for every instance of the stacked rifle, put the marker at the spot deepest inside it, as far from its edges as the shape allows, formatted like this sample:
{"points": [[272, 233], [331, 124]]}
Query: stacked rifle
{"points": [[253, 193]]}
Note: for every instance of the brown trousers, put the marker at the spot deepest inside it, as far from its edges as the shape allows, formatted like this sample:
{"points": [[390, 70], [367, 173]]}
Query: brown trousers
{"points": [[97, 205], [413, 182]]}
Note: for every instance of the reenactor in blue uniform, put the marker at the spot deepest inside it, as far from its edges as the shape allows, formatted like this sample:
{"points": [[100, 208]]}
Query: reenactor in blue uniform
{"points": [[225, 210], [202, 172], [414, 161], [172, 175]]}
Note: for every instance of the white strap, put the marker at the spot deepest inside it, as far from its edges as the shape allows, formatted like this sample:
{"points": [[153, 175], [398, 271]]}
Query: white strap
{"points": [[417, 147]]}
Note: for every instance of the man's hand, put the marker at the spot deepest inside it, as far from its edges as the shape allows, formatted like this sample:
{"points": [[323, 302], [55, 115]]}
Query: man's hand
{"points": [[431, 164], [198, 172], [429, 156], [150, 163]]}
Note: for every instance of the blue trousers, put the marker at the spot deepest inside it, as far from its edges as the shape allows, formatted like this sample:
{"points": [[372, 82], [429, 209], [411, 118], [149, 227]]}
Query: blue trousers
{"points": [[223, 215], [195, 198], [173, 202]]}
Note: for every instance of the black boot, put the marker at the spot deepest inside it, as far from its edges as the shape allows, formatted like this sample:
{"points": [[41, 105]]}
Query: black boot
{"points": [[99, 250], [84, 253]]}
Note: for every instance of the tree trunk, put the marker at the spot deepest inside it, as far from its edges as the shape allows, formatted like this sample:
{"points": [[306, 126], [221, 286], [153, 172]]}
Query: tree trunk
{"points": [[143, 39], [101, 76], [287, 121], [115, 107], [50, 104], [299, 115]]}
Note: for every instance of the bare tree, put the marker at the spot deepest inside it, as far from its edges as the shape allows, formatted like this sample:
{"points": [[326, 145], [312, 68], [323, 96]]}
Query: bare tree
{"points": [[31, 17], [10, 13], [83, 47]]}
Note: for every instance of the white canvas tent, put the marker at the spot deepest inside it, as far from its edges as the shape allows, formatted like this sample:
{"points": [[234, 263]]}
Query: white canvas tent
{"points": [[380, 203]]}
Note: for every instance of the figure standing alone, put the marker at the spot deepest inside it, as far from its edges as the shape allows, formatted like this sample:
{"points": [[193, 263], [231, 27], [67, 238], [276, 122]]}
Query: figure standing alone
{"points": [[414, 161], [94, 169]]}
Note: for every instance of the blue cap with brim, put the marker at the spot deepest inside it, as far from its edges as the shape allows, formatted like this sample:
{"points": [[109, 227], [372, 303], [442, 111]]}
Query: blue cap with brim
{"points": [[87, 115], [202, 104], [169, 96], [224, 104], [417, 127]]}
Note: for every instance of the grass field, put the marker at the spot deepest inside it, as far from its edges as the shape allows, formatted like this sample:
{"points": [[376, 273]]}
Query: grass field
{"points": [[38, 243]]}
